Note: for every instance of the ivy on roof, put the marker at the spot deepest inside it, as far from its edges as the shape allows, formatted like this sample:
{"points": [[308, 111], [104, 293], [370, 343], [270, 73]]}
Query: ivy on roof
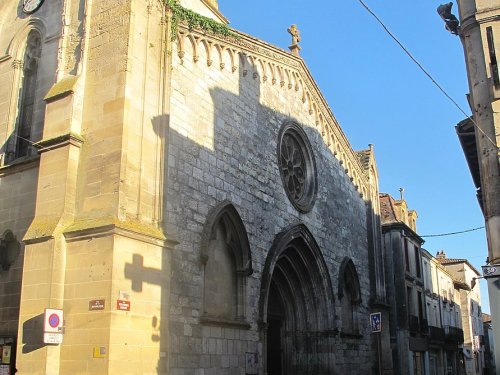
{"points": [[195, 21]]}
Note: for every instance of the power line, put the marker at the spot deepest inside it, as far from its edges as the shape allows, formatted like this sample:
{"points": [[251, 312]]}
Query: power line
{"points": [[452, 233], [425, 71]]}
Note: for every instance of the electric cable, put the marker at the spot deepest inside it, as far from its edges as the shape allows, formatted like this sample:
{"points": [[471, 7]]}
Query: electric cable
{"points": [[452, 233], [425, 71]]}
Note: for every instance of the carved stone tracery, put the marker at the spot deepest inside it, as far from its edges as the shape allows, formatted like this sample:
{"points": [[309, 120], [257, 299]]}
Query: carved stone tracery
{"points": [[290, 71], [297, 166]]}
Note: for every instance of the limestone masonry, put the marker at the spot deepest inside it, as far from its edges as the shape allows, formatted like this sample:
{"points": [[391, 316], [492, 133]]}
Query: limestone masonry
{"points": [[188, 201]]}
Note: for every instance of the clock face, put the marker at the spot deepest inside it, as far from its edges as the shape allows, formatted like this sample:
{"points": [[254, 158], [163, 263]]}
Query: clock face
{"points": [[31, 6]]}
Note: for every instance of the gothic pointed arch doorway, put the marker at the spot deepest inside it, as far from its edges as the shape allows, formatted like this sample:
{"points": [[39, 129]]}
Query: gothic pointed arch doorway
{"points": [[296, 307]]}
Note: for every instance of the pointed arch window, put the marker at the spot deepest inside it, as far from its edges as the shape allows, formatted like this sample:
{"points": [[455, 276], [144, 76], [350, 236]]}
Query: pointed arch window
{"points": [[350, 297], [27, 97], [227, 264]]}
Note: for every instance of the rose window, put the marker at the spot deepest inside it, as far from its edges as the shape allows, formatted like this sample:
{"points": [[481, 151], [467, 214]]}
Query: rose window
{"points": [[293, 167], [297, 167]]}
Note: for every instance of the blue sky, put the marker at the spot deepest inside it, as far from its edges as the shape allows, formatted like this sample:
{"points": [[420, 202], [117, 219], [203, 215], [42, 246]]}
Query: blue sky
{"points": [[380, 96]]}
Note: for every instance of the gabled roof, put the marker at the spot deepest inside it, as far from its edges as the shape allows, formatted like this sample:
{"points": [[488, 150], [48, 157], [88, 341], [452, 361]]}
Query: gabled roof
{"points": [[390, 216], [388, 211], [453, 261]]}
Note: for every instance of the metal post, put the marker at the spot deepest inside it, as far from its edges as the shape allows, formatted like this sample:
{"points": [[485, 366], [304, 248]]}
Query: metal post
{"points": [[379, 352]]}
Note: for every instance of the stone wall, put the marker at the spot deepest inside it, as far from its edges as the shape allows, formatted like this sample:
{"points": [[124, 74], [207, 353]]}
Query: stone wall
{"points": [[223, 146], [93, 199], [18, 178]]}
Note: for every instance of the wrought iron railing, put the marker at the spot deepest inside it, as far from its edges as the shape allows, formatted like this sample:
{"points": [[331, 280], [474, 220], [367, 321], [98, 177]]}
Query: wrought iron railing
{"points": [[454, 334], [436, 334]]}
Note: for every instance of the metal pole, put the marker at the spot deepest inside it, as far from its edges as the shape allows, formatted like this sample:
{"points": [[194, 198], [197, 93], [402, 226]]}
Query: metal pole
{"points": [[379, 352]]}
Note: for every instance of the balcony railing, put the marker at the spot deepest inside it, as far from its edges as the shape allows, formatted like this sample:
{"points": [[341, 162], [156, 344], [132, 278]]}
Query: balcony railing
{"points": [[436, 334], [454, 335]]}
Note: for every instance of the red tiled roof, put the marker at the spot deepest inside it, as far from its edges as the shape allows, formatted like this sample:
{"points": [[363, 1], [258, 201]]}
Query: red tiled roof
{"points": [[445, 261], [450, 260], [387, 211]]}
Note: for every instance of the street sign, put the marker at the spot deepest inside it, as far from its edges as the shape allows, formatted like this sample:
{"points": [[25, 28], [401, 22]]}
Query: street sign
{"points": [[52, 338], [376, 322], [53, 321], [53, 326], [491, 271]]}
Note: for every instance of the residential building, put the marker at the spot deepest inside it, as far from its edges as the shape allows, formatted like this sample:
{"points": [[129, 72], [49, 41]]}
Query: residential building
{"points": [[480, 134], [405, 286], [489, 346], [184, 201], [466, 275], [444, 317]]}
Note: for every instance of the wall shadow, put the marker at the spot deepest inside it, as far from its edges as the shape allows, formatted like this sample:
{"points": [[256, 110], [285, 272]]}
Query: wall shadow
{"points": [[33, 334], [241, 167]]}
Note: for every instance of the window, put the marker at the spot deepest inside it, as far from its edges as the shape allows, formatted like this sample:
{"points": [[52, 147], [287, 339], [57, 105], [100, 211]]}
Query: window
{"points": [[349, 296], [427, 275], [409, 300], [227, 264], [444, 295], [417, 262], [407, 259], [297, 166], [418, 363], [27, 98], [420, 306], [431, 317]]}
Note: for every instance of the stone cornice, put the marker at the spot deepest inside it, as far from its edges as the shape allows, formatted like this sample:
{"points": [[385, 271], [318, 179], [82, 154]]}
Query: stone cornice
{"points": [[279, 66], [86, 228], [479, 18], [406, 230], [59, 141], [64, 87], [46, 228]]}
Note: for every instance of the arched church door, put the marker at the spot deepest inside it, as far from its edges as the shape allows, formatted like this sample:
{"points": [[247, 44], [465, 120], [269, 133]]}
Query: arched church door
{"points": [[297, 307]]}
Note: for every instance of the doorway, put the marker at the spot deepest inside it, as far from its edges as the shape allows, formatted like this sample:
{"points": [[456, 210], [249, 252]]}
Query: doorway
{"points": [[296, 304]]}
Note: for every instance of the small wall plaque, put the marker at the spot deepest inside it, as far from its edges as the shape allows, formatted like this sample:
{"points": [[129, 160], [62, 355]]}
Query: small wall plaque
{"points": [[123, 305], [99, 352], [96, 304]]}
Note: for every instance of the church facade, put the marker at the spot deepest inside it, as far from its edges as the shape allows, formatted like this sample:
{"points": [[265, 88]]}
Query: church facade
{"points": [[184, 196]]}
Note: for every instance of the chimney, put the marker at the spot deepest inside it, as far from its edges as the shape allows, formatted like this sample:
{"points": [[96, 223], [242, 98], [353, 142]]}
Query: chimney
{"points": [[441, 255]]}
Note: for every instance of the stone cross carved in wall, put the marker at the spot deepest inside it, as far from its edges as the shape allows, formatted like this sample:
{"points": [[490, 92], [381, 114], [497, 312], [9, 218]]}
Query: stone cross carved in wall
{"points": [[295, 33]]}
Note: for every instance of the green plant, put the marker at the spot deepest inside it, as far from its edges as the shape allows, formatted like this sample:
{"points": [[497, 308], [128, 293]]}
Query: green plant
{"points": [[195, 21]]}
